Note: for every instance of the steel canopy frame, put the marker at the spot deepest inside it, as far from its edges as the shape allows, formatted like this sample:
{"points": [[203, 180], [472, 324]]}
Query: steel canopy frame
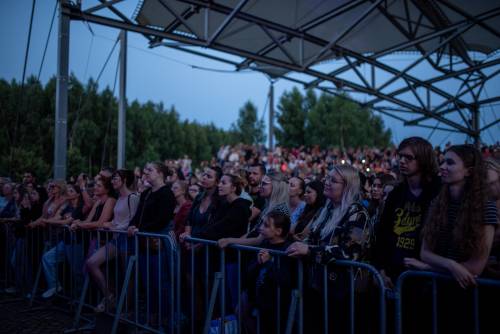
{"points": [[386, 86]]}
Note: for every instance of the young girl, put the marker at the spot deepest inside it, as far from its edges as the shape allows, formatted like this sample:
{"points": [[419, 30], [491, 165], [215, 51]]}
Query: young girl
{"points": [[267, 272]]}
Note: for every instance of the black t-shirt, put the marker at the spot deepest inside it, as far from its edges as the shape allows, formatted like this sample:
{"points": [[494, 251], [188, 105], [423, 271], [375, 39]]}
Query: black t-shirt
{"points": [[398, 232]]}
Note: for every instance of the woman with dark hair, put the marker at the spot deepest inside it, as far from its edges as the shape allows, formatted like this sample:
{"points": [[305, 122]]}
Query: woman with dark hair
{"points": [[377, 196], [182, 207], [296, 189], [315, 200], [154, 215], [205, 204], [459, 232], [123, 211]]}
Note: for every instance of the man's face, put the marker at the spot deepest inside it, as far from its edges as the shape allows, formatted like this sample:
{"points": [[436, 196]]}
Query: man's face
{"points": [[254, 176], [408, 165], [27, 178]]}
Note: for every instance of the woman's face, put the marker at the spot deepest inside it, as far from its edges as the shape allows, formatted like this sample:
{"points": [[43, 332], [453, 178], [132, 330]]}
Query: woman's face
{"points": [[294, 187], [334, 186], [117, 182], [377, 190], [193, 191], [71, 193], [225, 186], [17, 195], [34, 196], [453, 170], [493, 183], [177, 190], [54, 189], [266, 187], [310, 196], [209, 179], [99, 189]]}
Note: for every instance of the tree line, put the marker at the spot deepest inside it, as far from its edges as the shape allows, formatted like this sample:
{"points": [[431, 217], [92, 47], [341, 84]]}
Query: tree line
{"points": [[155, 132]]}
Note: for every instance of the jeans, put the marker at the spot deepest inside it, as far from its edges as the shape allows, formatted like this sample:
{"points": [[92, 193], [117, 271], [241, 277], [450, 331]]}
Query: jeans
{"points": [[73, 253]]}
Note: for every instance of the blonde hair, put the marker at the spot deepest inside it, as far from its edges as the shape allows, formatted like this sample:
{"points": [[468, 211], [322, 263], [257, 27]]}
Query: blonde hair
{"points": [[350, 195], [279, 194]]}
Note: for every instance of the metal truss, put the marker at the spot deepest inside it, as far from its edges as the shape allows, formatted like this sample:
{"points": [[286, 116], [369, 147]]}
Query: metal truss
{"points": [[399, 91]]}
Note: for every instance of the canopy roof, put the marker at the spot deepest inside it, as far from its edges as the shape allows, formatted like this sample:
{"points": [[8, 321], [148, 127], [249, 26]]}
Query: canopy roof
{"points": [[344, 46]]}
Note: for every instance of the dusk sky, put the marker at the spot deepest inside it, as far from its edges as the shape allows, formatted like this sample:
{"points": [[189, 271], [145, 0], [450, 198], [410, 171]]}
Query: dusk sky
{"points": [[159, 74]]}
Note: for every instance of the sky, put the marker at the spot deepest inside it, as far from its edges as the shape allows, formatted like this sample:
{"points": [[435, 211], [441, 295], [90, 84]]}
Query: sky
{"points": [[160, 74]]}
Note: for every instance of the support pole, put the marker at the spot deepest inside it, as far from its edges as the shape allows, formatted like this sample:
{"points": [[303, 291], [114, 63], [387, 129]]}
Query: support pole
{"points": [[475, 126], [61, 117], [122, 104], [271, 116]]}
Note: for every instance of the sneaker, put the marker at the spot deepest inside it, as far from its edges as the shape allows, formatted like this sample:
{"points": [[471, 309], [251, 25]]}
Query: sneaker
{"points": [[51, 292], [11, 290]]}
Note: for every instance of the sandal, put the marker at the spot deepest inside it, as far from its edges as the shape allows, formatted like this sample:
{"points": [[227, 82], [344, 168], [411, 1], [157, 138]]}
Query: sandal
{"points": [[106, 302]]}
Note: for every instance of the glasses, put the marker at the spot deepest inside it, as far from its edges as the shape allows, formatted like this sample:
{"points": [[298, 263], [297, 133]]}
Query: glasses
{"points": [[407, 157], [265, 183], [330, 179]]}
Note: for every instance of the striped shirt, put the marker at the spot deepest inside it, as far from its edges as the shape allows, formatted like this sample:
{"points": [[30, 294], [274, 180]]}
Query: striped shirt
{"points": [[446, 246]]}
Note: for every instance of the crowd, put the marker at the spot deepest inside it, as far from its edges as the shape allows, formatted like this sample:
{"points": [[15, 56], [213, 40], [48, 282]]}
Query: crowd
{"points": [[407, 207]]}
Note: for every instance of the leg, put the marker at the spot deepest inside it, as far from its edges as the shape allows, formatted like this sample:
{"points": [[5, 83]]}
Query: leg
{"points": [[49, 262], [94, 263]]}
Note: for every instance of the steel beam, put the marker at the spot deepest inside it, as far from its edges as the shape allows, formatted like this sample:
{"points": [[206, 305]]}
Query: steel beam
{"points": [[61, 116], [122, 103]]}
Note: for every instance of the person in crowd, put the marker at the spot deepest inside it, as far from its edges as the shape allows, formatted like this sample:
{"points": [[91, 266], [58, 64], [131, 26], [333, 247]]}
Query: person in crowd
{"points": [[83, 182], [205, 204], [341, 232], [377, 196], [315, 199], [274, 189], [182, 207], [71, 210], [296, 189], [266, 273], [398, 231], [255, 174], [193, 191], [458, 235], [10, 208], [154, 214], [30, 208], [229, 220], [124, 209]]}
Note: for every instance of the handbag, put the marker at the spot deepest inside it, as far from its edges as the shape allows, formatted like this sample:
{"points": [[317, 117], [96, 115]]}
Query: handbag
{"points": [[230, 325]]}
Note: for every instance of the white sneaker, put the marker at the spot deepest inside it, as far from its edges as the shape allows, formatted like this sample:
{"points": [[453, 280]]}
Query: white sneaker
{"points": [[51, 292]]}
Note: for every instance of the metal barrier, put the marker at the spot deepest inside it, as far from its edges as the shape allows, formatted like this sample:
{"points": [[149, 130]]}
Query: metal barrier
{"points": [[296, 307], [151, 279], [434, 278]]}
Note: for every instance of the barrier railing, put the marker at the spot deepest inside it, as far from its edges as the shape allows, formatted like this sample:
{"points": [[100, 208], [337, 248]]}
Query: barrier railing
{"points": [[158, 289], [434, 277]]}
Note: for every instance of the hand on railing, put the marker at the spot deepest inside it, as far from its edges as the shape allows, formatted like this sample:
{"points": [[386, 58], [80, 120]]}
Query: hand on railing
{"points": [[183, 236], [224, 242], [297, 249], [132, 230], [463, 276], [75, 225], [263, 256], [413, 263], [387, 280]]}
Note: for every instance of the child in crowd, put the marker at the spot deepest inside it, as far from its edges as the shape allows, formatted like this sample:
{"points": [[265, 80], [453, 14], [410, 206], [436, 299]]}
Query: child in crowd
{"points": [[268, 272]]}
